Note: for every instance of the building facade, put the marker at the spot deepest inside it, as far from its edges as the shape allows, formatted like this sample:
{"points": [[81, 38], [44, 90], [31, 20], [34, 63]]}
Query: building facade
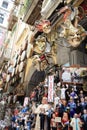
{"points": [[45, 52], [5, 9]]}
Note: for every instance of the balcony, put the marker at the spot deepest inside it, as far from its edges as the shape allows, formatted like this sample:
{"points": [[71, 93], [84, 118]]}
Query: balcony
{"points": [[12, 20], [33, 11]]}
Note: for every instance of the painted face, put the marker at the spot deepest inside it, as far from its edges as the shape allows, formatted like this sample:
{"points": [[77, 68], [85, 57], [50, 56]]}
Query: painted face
{"points": [[43, 26], [75, 38], [46, 28], [40, 44], [72, 34], [44, 100]]}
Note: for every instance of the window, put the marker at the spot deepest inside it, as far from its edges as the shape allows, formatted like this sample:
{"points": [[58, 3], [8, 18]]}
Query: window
{"points": [[5, 4], [1, 18]]}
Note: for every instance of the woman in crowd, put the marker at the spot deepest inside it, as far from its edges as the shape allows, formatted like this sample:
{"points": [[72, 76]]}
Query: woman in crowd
{"points": [[53, 123], [65, 120]]}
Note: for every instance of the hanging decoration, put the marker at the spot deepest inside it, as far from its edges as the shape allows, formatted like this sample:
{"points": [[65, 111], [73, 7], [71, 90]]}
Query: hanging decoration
{"points": [[73, 34], [43, 26], [40, 44], [72, 31], [50, 89]]}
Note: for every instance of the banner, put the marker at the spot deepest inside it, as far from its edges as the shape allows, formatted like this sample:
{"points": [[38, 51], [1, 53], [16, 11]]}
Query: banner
{"points": [[50, 89], [26, 101]]}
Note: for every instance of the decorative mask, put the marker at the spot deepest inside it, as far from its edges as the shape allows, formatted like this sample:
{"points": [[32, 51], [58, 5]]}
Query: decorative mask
{"points": [[43, 26], [74, 35], [40, 44]]}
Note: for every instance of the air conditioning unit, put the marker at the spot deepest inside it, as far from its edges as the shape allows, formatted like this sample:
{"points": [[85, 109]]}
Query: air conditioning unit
{"points": [[78, 58]]}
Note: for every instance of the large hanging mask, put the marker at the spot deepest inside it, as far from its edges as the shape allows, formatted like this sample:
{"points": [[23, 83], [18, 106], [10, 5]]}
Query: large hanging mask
{"points": [[73, 34]]}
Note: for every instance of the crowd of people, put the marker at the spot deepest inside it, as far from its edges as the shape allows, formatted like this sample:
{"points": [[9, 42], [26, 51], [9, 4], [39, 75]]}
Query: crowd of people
{"points": [[68, 111]]}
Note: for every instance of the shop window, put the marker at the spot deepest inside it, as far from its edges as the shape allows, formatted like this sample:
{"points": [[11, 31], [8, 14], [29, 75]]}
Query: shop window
{"points": [[5, 4], [1, 18]]}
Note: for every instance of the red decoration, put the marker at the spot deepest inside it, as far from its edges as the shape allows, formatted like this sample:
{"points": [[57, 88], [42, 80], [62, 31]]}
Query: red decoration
{"points": [[41, 24]]}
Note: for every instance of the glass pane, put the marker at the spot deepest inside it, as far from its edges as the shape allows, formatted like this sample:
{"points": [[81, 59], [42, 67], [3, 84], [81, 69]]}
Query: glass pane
{"points": [[1, 20], [5, 4]]}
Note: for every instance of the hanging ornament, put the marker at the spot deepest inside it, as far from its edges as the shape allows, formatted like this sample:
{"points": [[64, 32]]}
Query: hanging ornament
{"points": [[43, 26], [73, 33]]}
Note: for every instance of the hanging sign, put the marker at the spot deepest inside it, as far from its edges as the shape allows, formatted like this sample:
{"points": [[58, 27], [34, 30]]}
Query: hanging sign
{"points": [[50, 89], [26, 101]]}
